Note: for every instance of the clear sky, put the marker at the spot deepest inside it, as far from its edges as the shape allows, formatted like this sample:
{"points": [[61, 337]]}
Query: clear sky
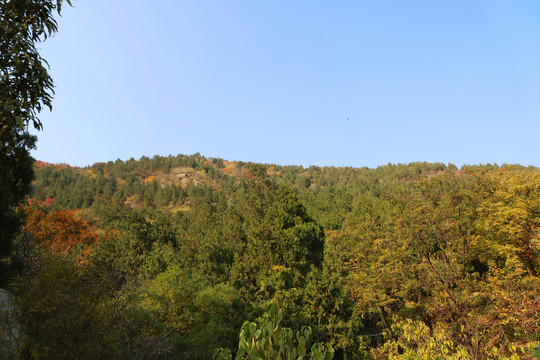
{"points": [[327, 83]]}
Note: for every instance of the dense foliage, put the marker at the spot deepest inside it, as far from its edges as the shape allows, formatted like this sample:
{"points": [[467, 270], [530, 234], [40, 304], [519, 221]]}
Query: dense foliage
{"points": [[25, 89], [266, 339], [166, 258]]}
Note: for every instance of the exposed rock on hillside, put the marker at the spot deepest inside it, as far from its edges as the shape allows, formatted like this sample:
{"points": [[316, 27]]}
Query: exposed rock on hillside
{"points": [[10, 329]]}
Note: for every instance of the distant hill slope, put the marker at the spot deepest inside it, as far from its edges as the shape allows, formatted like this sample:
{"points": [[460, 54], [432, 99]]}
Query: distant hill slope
{"points": [[165, 182], [412, 260]]}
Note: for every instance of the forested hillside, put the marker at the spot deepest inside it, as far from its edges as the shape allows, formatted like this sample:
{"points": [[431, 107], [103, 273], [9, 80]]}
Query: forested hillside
{"points": [[166, 257]]}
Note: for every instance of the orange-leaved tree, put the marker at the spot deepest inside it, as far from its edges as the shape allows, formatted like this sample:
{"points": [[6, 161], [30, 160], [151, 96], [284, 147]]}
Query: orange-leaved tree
{"points": [[58, 231]]}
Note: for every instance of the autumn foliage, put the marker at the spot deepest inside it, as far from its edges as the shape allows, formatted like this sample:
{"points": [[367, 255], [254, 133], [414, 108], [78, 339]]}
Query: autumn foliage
{"points": [[58, 231], [420, 261]]}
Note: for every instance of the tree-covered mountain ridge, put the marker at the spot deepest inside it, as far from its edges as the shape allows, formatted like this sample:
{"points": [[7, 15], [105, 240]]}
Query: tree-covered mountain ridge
{"points": [[415, 260], [194, 170]]}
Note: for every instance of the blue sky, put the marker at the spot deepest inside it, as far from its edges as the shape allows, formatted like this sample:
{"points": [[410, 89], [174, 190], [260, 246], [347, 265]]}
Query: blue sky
{"points": [[275, 81]]}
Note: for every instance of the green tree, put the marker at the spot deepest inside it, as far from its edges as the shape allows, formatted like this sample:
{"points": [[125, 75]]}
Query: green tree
{"points": [[130, 239], [283, 242], [511, 218], [67, 312], [25, 89], [194, 316]]}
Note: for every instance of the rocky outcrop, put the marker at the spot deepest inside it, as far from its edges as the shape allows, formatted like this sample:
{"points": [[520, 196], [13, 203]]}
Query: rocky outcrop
{"points": [[10, 329]]}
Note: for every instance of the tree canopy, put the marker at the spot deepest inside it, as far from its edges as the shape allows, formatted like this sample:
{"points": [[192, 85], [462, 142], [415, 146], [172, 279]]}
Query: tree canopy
{"points": [[411, 260], [25, 89]]}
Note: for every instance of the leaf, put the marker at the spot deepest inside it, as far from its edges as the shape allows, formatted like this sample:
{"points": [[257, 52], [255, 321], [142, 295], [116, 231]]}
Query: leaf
{"points": [[536, 352], [301, 346]]}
